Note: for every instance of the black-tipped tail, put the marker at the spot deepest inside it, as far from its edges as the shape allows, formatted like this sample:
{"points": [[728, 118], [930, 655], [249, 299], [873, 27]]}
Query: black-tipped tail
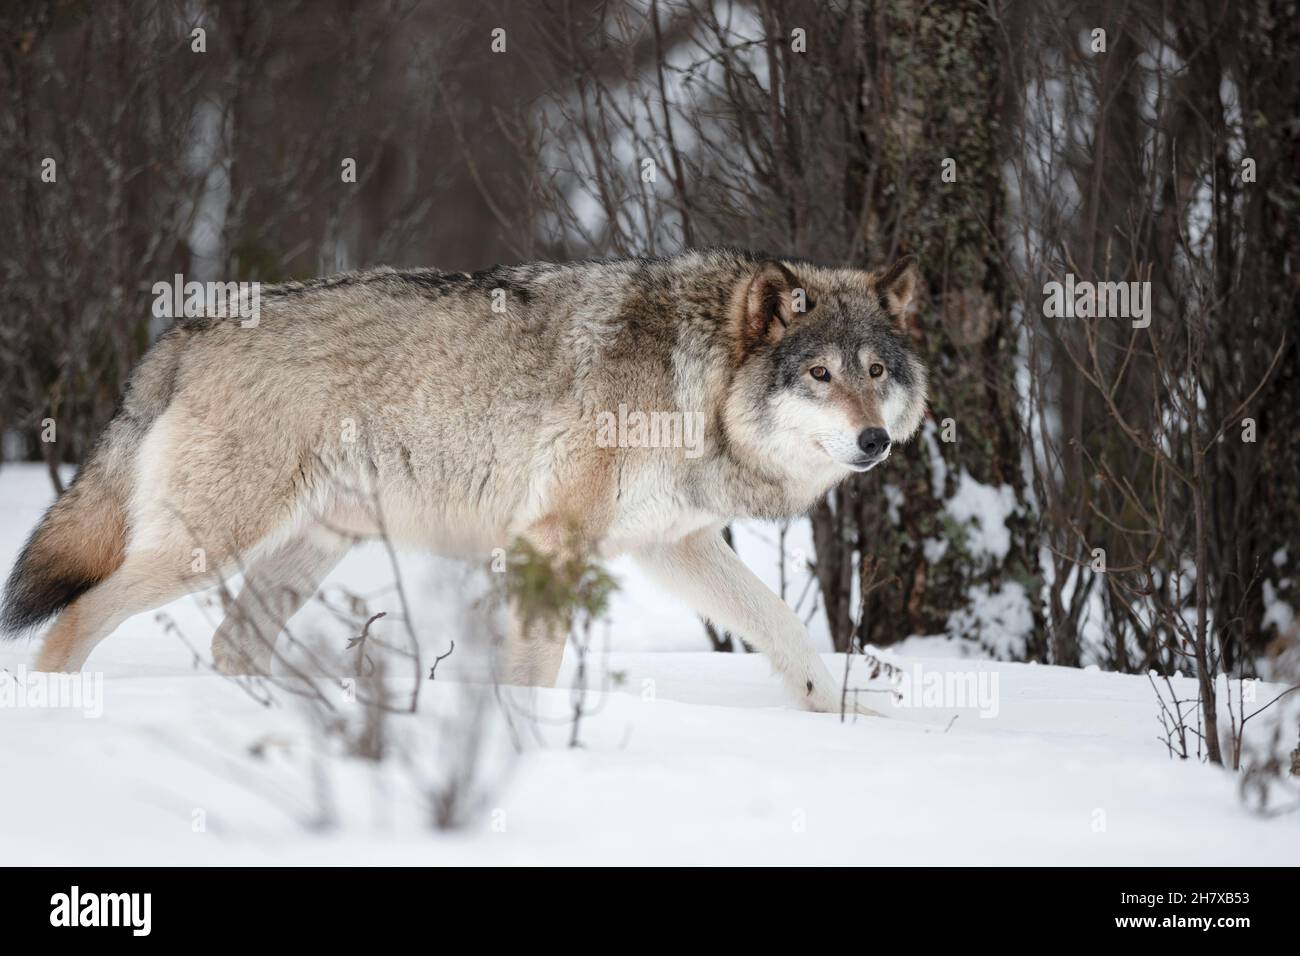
{"points": [[78, 543]]}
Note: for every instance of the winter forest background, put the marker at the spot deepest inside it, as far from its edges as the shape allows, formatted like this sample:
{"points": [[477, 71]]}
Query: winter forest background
{"points": [[1085, 492]]}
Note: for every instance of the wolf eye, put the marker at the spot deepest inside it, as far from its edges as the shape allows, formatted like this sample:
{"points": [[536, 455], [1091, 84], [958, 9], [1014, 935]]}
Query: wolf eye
{"points": [[876, 370], [820, 372]]}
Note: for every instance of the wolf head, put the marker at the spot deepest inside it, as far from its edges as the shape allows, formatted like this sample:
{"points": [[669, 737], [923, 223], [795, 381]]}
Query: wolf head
{"points": [[825, 377]]}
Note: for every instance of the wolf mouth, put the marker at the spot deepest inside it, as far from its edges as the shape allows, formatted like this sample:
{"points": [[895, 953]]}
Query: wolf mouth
{"points": [[865, 465], [860, 464]]}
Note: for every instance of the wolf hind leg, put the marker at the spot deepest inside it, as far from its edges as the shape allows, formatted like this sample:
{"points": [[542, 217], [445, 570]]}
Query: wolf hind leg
{"points": [[143, 582], [276, 587]]}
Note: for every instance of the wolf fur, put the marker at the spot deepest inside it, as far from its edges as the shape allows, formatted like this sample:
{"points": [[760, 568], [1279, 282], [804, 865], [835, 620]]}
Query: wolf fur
{"points": [[457, 412]]}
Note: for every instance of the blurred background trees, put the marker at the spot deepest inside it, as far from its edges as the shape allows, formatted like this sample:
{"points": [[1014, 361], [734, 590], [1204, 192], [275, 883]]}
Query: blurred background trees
{"points": [[1085, 491]]}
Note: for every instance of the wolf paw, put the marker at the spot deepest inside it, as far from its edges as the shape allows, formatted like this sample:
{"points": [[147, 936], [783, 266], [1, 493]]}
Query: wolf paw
{"points": [[835, 701], [851, 708], [233, 661]]}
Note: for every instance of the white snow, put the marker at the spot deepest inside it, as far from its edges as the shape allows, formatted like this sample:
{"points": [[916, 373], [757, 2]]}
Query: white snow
{"points": [[1277, 613], [938, 467], [689, 757], [1001, 619], [983, 510]]}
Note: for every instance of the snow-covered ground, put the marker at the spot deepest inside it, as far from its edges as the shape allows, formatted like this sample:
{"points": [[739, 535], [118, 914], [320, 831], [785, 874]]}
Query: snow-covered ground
{"points": [[686, 756]]}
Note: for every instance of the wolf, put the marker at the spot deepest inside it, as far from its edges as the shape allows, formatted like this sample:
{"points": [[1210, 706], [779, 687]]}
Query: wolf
{"points": [[457, 412]]}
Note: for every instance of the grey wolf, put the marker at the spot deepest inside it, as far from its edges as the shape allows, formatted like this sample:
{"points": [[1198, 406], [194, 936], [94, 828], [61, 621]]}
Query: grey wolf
{"points": [[458, 412]]}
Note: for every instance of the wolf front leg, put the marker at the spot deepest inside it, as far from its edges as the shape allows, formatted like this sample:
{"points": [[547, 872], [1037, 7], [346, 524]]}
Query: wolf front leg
{"points": [[707, 575], [534, 652], [533, 655]]}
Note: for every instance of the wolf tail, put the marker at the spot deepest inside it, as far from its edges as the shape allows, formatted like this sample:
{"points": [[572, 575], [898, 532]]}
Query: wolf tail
{"points": [[82, 538], [80, 541]]}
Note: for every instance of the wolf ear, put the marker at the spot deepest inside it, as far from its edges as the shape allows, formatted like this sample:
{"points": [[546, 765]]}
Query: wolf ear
{"points": [[896, 285], [768, 306]]}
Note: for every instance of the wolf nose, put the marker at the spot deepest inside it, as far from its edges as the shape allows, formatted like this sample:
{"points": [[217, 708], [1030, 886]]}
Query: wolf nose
{"points": [[874, 442]]}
